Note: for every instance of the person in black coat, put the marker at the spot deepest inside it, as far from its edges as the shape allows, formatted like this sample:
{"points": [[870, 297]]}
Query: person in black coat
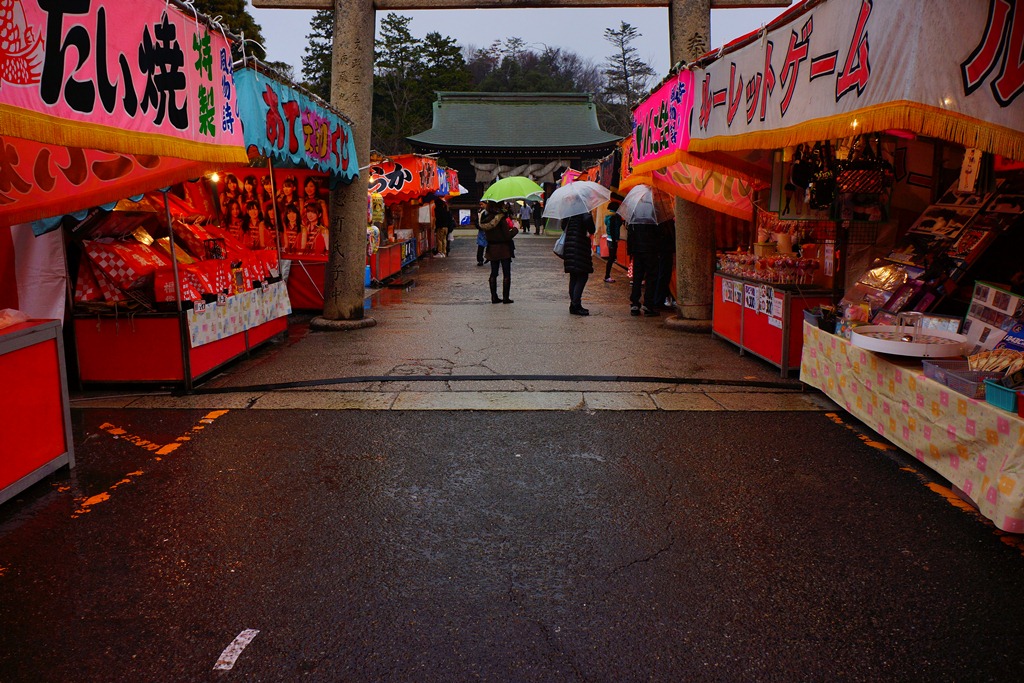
{"points": [[643, 243], [578, 258], [666, 263]]}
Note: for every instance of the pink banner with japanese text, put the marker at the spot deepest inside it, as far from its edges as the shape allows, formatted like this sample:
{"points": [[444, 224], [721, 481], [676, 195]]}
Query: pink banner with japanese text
{"points": [[832, 69], [139, 77], [661, 123]]}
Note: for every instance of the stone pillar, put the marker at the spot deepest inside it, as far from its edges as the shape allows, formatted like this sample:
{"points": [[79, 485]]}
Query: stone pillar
{"points": [[351, 94], [689, 37]]}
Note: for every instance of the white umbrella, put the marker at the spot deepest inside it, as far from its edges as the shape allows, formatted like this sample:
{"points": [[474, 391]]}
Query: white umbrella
{"points": [[645, 204], [579, 197]]}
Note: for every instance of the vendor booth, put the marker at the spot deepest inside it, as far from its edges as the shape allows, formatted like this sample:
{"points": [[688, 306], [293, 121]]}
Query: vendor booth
{"points": [[406, 184], [895, 165], [216, 253], [656, 156], [76, 133], [302, 148]]}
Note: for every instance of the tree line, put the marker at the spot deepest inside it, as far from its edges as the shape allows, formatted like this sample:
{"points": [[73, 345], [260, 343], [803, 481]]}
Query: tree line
{"points": [[408, 70]]}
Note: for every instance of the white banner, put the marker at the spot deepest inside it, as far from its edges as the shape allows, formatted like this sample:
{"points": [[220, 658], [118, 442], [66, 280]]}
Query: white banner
{"points": [[950, 69]]}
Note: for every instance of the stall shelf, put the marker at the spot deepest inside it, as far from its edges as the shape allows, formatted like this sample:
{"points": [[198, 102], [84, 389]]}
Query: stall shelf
{"points": [[764, 319], [147, 347], [979, 448], [35, 418]]}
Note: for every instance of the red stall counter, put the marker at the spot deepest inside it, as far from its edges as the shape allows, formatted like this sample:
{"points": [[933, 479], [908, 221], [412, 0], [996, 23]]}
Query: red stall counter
{"points": [[764, 319], [35, 414], [171, 347]]}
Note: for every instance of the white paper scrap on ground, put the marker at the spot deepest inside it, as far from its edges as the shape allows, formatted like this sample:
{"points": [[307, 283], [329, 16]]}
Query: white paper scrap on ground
{"points": [[232, 651]]}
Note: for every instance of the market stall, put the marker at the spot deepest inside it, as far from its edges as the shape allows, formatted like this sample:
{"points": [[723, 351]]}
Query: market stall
{"points": [[76, 134], [656, 156], [217, 255], [406, 183], [897, 164]]}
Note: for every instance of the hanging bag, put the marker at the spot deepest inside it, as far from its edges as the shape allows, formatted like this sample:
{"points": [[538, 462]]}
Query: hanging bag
{"points": [[559, 247]]}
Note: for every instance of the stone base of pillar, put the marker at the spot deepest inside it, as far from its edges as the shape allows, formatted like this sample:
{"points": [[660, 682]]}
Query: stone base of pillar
{"points": [[323, 324], [678, 324]]}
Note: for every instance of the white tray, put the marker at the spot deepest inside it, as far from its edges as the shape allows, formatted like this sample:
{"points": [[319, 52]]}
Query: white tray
{"points": [[887, 339]]}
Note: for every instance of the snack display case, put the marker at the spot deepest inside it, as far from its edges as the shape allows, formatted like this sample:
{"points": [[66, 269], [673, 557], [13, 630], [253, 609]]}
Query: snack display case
{"points": [[34, 416]]}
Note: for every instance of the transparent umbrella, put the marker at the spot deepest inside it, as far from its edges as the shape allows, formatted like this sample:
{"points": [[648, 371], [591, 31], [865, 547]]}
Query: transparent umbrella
{"points": [[513, 187], [645, 204], [581, 196]]}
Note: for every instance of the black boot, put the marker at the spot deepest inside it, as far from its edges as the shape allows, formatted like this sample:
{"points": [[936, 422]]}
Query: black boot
{"points": [[493, 282], [506, 285]]}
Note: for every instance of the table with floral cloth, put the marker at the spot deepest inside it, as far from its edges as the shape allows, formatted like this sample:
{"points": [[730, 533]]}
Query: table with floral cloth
{"points": [[979, 448], [238, 313]]}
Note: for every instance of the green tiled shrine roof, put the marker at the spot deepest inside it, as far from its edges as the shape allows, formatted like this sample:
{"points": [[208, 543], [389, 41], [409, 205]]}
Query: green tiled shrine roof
{"points": [[549, 121]]}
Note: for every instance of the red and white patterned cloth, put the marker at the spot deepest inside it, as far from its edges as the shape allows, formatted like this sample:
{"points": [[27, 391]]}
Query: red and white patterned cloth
{"points": [[86, 287], [127, 265]]}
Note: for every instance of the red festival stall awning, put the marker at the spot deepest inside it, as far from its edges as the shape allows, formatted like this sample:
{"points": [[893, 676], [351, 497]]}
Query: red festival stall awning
{"points": [[107, 100], [692, 179], [404, 177]]}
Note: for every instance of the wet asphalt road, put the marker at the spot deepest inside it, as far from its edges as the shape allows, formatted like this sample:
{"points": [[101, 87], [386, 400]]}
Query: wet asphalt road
{"points": [[512, 546]]}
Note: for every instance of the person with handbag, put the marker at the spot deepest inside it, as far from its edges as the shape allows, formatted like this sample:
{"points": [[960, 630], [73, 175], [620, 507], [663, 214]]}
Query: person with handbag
{"points": [[499, 231], [578, 259]]}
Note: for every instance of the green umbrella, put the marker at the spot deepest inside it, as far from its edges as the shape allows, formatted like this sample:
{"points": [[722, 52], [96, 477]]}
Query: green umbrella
{"points": [[513, 187]]}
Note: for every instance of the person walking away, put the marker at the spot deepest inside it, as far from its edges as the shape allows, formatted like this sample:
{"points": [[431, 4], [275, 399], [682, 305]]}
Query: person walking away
{"points": [[666, 262], [481, 238], [499, 231], [642, 244], [578, 258], [525, 215], [538, 220], [612, 226], [442, 224]]}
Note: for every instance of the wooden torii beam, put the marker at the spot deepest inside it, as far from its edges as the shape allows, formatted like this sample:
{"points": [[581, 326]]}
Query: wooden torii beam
{"points": [[510, 4]]}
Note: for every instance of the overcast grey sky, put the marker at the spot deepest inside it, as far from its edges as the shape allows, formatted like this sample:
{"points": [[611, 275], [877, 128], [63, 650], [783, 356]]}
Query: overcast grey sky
{"points": [[576, 30]]}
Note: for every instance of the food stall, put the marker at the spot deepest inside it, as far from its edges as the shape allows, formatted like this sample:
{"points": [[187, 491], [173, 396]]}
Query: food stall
{"points": [[215, 254], [77, 134], [406, 182], [898, 162], [758, 303]]}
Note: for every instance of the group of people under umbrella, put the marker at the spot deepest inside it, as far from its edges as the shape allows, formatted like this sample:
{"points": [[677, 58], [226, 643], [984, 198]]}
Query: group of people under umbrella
{"points": [[646, 212]]}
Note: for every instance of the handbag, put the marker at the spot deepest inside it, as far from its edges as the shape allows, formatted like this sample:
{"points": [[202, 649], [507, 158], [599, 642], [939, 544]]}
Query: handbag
{"points": [[559, 247]]}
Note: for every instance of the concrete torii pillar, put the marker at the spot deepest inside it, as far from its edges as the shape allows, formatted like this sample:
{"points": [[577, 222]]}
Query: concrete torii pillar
{"points": [[689, 36], [352, 94]]}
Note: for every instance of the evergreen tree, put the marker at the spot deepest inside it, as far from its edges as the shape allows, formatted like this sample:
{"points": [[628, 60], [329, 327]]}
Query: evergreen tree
{"points": [[236, 19], [508, 66], [316, 62], [627, 78], [397, 55]]}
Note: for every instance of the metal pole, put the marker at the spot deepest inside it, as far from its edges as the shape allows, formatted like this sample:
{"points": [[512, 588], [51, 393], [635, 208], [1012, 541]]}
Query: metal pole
{"points": [[278, 227], [186, 344]]}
